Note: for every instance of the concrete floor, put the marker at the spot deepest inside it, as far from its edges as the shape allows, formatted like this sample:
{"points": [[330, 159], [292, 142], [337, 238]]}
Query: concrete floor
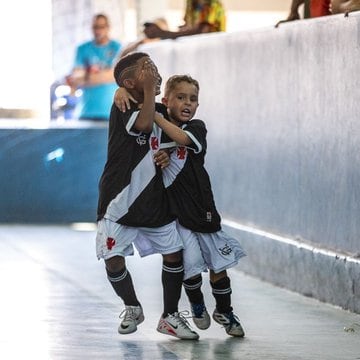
{"points": [[56, 303]]}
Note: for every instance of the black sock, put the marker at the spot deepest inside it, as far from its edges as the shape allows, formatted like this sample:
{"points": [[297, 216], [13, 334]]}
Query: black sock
{"points": [[193, 289], [122, 283], [172, 276], [221, 291]]}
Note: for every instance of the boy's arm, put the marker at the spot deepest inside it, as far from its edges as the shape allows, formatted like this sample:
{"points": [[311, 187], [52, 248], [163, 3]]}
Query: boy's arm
{"points": [[174, 132], [145, 119]]}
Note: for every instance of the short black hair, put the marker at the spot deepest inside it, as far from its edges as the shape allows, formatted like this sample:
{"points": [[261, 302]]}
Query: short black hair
{"points": [[126, 61]]}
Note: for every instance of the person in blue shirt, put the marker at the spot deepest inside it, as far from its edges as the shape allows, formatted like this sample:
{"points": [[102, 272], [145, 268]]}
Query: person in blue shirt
{"points": [[94, 72]]}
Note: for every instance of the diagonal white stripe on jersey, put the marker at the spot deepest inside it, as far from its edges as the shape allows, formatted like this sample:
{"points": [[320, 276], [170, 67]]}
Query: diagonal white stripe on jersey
{"points": [[176, 165], [168, 145], [140, 178]]}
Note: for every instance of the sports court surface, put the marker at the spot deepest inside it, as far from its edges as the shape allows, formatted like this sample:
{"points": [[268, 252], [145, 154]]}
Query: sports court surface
{"points": [[56, 303]]}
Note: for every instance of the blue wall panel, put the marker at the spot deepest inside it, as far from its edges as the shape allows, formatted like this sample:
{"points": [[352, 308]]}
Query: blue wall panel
{"points": [[50, 175]]}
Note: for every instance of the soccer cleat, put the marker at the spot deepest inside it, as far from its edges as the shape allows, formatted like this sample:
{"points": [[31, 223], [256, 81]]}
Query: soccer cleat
{"points": [[176, 325], [201, 317], [230, 322], [132, 316]]}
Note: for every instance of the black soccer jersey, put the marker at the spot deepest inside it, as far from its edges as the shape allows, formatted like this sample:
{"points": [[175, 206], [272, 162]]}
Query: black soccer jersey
{"points": [[188, 183], [131, 190]]}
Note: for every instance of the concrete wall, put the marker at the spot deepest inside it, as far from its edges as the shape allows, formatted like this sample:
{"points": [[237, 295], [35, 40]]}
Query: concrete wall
{"points": [[282, 109], [282, 112]]}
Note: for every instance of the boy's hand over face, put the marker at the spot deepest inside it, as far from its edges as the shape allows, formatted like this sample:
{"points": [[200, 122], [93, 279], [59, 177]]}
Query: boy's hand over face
{"points": [[149, 75]]}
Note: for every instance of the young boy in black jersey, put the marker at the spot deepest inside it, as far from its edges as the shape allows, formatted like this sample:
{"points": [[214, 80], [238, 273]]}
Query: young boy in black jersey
{"points": [[132, 200], [191, 200]]}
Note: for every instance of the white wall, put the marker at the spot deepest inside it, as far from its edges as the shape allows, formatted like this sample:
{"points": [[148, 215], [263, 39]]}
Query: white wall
{"points": [[25, 71], [282, 112], [282, 109]]}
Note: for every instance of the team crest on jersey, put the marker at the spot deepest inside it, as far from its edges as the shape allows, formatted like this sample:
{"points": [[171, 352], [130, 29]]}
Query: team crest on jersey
{"points": [[208, 216], [226, 250], [141, 139], [181, 152], [154, 143], [110, 243]]}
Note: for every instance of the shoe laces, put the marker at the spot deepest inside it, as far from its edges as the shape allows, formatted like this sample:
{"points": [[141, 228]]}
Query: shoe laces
{"points": [[180, 318], [128, 314], [198, 310], [233, 320]]}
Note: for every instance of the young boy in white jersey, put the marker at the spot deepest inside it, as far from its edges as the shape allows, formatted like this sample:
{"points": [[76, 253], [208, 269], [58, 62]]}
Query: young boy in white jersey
{"points": [[191, 200], [132, 200]]}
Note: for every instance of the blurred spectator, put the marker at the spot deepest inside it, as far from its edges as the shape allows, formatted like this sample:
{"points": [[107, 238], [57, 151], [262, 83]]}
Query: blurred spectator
{"points": [[312, 8], [316, 8], [160, 22], [93, 71], [344, 6], [294, 10], [201, 16], [319, 8]]}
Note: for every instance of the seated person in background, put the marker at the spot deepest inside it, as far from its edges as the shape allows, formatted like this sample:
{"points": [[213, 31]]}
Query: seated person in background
{"points": [[316, 8], [93, 71], [312, 8], [201, 16], [344, 6], [319, 8], [160, 22]]}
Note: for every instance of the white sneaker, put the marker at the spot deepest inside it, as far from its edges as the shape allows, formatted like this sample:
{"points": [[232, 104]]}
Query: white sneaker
{"points": [[201, 317], [132, 316], [230, 322], [176, 325]]}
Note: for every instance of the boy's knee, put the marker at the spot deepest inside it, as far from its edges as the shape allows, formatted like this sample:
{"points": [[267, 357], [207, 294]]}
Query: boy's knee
{"points": [[115, 264], [174, 257], [215, 277]]}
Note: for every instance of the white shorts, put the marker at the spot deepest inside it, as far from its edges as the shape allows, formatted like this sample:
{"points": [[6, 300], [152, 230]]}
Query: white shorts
{"points": [[215, 251], [113, 239], [193, 259]]}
